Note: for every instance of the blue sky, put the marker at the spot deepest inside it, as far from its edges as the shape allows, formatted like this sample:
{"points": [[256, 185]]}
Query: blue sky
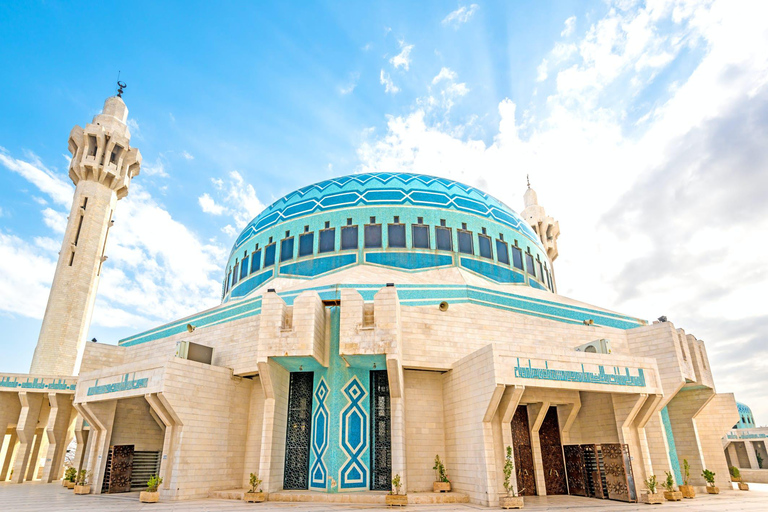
{"points": [[639, 124]]}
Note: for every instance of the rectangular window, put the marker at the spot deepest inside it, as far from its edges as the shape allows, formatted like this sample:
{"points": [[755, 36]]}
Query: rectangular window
{"points": [[286, 249], [444, 238], [244, 268], [465, 242], [484, 244], [529, 264], [396, 235], [349, 237], [502, 251], [234, 274], [541, 271], [306, 244], [420, 236], [372, 235], [517, 257], [255, 261], [327, 240], [269, 255]]}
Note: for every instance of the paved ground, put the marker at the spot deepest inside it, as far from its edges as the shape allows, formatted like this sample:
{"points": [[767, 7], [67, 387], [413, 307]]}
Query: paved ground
{"points": [[33, 497]]}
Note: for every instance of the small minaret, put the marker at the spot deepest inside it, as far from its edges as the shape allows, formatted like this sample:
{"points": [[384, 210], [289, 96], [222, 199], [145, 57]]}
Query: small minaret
{"points": [[103, 163], [546, 227]]}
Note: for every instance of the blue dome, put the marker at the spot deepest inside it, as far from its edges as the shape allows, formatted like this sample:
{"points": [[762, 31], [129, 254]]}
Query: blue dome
{"points": [[406, 221]]}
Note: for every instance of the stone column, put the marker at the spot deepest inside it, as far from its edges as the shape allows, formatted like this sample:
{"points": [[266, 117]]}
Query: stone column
{"points": [[750, 446], [31, 404], [538, 412], [56, 430], [81, 435], [101, 417], [12, 448], [34, 456]]}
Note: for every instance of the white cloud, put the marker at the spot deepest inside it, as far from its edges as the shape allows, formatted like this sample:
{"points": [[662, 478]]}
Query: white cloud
{"points": [[460, 15], [386, 81], [402, 59], [351, 84], [366, 47], [666, 220], [541, 71], [135, 129], [59, 189], [209, 205], [187, 156], [25, 274], [444, 74], [444, 84], [570, 26], [157, 168], [57, 221]]}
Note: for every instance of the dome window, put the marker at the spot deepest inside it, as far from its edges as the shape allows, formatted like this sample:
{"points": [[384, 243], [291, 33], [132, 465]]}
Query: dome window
{"points": [[465, 241], [372, 235], [396, 234], [255, 261], [306, 244], [348, 237], [420, 234], [502, 252], [269, 255], [443, 238], [244, 268], [327, 240], [529, 264], [517, 257], [286, 249]]}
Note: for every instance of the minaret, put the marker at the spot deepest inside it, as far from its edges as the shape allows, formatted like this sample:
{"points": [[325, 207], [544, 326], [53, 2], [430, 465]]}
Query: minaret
{"points": [[546, 227], [102, 166]]}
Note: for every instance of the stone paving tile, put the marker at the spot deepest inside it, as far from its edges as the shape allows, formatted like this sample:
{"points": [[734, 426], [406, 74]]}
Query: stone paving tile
{"points": [[34, 497]]}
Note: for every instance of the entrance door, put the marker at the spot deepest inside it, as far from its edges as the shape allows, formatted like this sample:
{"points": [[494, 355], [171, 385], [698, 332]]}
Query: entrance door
{"points": [[575, 468], [552, 454], [617, 474], [381, 429], [596, 487], [521, 439], [298, 431], [121, 468]]}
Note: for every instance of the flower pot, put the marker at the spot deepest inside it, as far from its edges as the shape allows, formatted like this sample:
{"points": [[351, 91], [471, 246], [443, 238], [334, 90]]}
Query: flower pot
{"points": [[652, 499], [69, 484], [254, 497], [711, 489], [64, 482], [441, 486], [83, 489], [149, 497], [743, 486], [673, 495], [687, 491], [396, 500], [511, 502]]}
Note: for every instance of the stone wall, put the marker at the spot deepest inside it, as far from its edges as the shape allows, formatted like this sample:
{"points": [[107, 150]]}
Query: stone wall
{"points": [[424, 427]]}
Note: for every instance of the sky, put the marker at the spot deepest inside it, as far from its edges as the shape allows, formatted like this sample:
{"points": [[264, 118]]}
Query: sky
{"points": [[642, 126]]}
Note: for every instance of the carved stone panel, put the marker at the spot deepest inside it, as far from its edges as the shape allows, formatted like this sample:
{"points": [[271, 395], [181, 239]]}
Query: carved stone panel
{"points": [[521, 439], [552, 454], [121, 468]]}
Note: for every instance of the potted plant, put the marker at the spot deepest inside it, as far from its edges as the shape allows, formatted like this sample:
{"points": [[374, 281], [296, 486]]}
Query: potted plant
{"points": [[394, 498], [512, 499], [83, 486], [254, 496], [151, 495], [69, 478], [710, 478], [736, 477], [670, 494], [685, 489], [441, 483], [652, 497]]}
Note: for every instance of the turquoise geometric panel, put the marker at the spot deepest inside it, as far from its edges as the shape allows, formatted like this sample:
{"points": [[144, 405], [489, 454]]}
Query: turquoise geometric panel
{"points": [[354, 437], [673, 459], [409, 260], [318, 473], [317, 266], [494, 272]]}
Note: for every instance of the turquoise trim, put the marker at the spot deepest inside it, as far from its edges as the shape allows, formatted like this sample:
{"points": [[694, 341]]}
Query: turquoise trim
{"points": [[244, 288], [601, 377], [409, 260], [317, 266], [491, 271], [409, 295], [673, 459]]}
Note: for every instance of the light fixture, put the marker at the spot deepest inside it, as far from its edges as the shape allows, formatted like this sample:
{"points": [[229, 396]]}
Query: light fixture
{"points": [[301, 368], [589, 321], [374, 366], [390, 285], [191, 328], [443, 306]]}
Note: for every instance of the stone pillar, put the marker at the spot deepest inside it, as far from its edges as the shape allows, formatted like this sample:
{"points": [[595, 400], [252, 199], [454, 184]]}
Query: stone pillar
{"points": [[12, 448], [397, 417], [34, 456], [31, 404], [537, 412], [275, 380], [56, 430], [101, 418], [81, 435], [733, 455], [750, 446]]}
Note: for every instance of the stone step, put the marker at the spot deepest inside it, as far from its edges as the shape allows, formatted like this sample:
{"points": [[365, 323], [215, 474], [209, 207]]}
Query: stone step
{"points": [[367, 497]]}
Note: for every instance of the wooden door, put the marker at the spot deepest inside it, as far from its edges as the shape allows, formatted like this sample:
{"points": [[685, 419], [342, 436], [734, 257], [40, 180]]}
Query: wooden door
{"points": [[521, 439], [121, 468], [615, 472], [575, 469], [552, 454]]}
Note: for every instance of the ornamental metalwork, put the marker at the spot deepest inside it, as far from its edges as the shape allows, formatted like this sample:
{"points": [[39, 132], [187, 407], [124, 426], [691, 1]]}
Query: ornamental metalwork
{"points": [[298, 431], [381, 430]]}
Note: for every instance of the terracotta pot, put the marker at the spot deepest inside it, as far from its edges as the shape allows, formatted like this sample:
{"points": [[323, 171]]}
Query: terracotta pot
{"points": [[64, 482], [511, 501], [69, 484], [652, 499], [149, 497], [441, 486], [254, 497], [687, 491], [83, 489], [743, 486], [711, 489], [396, 500], [673, 495]]}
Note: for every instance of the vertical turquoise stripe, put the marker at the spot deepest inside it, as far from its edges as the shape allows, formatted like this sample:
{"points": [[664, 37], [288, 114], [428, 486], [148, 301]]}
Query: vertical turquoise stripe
{"points": [[672, 449]]}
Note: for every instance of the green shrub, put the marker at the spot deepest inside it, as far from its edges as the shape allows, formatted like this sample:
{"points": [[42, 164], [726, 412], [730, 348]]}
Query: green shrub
{"points": [[651, 484], [439, 468], [396, 484], [686, 471], [255, 482], [709, 476], [735, 473], [70, 474], [153, 483], [669, 483]]}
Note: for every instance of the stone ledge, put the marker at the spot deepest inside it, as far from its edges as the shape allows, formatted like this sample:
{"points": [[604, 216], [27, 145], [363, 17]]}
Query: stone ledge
{"points": [[369, 497]]}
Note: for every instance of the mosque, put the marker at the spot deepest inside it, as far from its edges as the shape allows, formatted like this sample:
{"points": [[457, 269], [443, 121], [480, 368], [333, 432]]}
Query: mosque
{"points": [[367, 323]]}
